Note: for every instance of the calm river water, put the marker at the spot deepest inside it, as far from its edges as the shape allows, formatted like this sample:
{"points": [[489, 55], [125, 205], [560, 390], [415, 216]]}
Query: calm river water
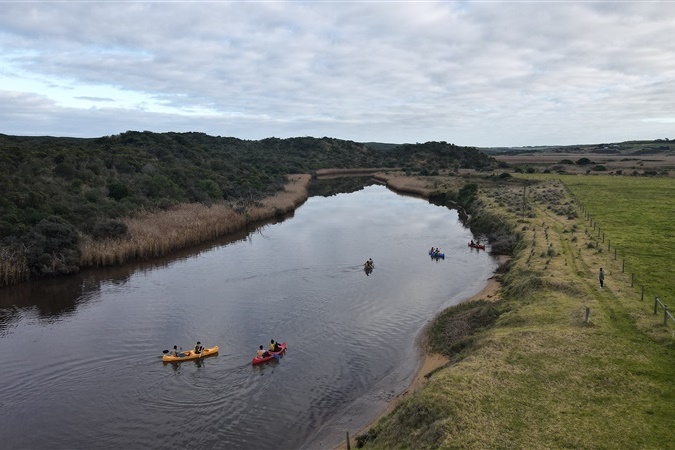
{"points": [[82, 355]]}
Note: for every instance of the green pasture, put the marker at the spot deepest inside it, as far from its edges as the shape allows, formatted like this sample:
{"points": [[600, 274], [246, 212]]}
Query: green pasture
{"points": [[637, 217]]}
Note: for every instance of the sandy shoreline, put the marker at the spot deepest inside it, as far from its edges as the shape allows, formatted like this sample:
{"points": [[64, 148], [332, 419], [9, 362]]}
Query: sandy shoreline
{"points": [[429, 363]]}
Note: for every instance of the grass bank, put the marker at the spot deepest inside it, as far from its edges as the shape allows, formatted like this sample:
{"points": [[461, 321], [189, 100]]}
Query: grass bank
{"points": [[536, 371]]}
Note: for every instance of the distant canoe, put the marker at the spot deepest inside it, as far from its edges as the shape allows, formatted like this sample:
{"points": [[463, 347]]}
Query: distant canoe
{"points": [[482, 247], [272, 355], [437, 255]]}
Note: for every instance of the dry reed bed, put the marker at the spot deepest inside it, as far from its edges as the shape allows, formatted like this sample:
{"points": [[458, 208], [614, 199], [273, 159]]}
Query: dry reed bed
{"points": [[13, 268], [157, 234], [153, 235], [405, 184]]}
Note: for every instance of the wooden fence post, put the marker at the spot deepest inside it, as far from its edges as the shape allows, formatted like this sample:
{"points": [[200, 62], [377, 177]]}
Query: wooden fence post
{"points": [[349, 447], [603, 236], [609, 244], [614, 253], [632, 278], [623, 265], [656, 304], [665, 315], [588, 314], [642, 296]]}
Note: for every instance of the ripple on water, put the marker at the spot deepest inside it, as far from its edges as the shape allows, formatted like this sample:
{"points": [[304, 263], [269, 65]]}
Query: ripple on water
{"points": [[93, 377]]}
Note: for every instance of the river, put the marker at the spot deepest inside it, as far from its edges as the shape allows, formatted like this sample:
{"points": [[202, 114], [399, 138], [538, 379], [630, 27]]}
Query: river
{"points": [[82, 355]]}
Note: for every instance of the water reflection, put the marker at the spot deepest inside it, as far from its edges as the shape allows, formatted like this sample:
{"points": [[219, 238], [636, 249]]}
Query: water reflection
{"points": [[55, 297], [329, 186], [89, 375]]}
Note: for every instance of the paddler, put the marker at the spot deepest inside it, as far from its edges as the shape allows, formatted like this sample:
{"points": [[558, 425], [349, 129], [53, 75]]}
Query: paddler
{"points": [[274, 346], [262, 353], [176, 353]]}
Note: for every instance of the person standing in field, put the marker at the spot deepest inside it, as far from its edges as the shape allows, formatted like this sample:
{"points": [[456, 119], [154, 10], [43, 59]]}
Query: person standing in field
{"points": [[601, 276]]}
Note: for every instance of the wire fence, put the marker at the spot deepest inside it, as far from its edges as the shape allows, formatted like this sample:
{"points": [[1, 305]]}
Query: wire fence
{"points": [[659, 305]]}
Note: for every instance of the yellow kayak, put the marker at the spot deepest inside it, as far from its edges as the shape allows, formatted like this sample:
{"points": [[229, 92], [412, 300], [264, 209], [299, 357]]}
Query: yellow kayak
{"points": [[190, 354]]}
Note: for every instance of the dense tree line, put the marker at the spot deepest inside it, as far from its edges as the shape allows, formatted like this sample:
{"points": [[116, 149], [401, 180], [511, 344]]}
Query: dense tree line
{"points": [[54, 189]]}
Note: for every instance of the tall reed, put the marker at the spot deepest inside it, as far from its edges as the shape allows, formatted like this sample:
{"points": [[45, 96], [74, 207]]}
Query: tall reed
{"points": [[13, 267], [157, 234]]}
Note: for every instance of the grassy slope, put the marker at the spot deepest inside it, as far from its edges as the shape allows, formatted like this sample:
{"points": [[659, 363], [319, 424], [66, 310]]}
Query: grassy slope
{"points": [[542, 377]]}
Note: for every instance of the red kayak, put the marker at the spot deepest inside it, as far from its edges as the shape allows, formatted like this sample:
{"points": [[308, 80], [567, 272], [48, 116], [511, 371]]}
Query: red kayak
{"points": [[272, 355], [482, 247]]}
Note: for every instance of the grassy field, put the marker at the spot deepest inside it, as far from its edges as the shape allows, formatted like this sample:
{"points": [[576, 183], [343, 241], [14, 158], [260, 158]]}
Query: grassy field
{"points": [[638, 216], [542, 375]]}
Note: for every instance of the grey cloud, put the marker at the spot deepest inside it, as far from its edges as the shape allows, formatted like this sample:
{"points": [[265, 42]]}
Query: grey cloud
{"points": [[469, 73]]}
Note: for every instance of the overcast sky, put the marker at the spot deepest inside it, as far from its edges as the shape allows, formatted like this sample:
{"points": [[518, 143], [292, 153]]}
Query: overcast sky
{"points": [[489, 73]]}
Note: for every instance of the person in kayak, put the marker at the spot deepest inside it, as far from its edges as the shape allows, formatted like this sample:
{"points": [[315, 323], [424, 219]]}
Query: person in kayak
{"points": [[198, 348], [262, 353], [176, 353], [274, 346]]}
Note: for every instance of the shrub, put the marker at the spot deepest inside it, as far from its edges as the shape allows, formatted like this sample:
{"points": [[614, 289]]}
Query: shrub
{"points": [[52, 248], [110, 229], [467, 195], [117, 190], [65, 171]]}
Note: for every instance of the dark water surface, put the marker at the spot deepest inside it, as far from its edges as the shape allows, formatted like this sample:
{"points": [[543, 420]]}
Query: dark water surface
{"points": [[81, 355]]}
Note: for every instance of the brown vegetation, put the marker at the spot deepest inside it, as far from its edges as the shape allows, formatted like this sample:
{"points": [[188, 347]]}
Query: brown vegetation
{"points": [[13, 267], [423, 186], [157, 234]]}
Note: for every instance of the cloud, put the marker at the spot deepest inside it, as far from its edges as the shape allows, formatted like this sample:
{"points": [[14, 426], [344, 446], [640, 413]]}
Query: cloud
{"points": [[472, 73]]}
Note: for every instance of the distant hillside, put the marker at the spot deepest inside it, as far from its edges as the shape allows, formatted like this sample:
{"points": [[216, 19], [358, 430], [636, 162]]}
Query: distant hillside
{"points": [[55, 189], [657, 146]]}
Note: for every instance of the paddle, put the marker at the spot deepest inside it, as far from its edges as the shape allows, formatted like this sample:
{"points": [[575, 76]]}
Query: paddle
{"points": [[281, 350]]}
